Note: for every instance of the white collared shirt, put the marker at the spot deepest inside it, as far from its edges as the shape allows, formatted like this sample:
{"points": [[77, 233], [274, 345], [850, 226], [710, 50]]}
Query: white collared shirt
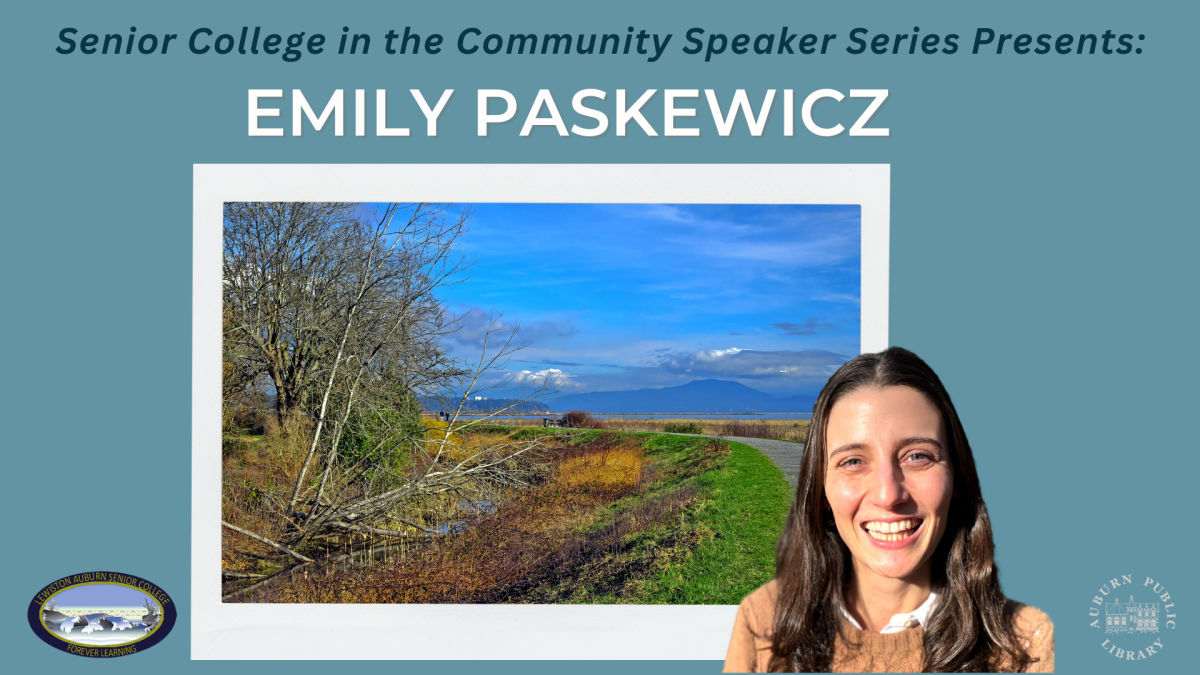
{"points": [[900, 622]]}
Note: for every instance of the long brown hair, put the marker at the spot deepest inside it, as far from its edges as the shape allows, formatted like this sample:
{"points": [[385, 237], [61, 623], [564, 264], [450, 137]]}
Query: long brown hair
{"points": [[970, 628]]}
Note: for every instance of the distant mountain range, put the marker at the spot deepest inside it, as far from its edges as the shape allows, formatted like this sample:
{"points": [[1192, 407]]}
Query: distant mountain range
{"points": [[698, 396], [511, 406]]}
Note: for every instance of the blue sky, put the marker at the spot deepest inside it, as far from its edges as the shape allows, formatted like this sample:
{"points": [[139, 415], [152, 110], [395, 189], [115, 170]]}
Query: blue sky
{"points": [[102, 596], [626, 296]]}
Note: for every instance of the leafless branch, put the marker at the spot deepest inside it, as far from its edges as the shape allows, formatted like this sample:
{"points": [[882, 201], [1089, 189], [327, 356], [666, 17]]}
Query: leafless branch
{"points": [[266, 541]]}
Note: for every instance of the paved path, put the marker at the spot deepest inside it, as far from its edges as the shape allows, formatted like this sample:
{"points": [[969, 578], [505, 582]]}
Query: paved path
{"points": [[785, 455]]}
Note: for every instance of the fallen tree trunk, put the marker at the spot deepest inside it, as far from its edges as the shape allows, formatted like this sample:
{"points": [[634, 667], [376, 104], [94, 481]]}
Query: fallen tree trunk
{"points": [[268, 542], [388, 533]]}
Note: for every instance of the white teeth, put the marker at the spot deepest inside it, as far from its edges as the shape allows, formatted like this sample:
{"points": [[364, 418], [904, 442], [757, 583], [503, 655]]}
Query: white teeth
{"points": [[894, 531]]}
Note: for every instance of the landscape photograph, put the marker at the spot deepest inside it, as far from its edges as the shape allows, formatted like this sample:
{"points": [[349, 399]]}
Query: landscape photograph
{"points": [[522, 403]]}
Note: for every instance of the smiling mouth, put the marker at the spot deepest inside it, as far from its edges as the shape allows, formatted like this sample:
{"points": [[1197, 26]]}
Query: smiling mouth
{"points": [[897, 530]]}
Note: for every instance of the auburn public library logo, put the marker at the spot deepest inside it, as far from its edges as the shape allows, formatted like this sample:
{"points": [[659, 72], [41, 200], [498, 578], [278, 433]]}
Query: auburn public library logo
{"points": [[102, 614], [1132, 630]]}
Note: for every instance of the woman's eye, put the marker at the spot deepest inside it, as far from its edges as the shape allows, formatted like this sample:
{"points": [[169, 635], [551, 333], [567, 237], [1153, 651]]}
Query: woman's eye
{"points": [[920, 457], [853, 461]]}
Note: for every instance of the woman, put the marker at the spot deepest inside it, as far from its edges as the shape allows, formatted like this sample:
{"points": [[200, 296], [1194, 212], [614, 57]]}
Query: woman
{"points": [[885, 563]]}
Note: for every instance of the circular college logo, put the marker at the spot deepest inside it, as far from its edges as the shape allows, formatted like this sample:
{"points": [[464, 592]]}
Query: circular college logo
{"points": [[102, 614], [1131, 617]]}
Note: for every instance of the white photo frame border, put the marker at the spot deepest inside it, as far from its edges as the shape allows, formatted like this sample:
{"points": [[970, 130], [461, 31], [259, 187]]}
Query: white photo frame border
{"points": [[468, 632]]}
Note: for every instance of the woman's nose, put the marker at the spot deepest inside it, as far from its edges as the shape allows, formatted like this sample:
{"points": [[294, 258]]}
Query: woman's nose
{"points": [[888, 489]]}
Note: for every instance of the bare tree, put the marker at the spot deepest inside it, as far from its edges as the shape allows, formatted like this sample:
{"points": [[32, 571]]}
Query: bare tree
{"points": [[285, 270], [342, 312]]}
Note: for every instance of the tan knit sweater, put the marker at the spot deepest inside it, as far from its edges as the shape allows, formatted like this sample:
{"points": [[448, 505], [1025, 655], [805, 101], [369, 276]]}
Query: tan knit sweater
{"points": [[750, 646]]}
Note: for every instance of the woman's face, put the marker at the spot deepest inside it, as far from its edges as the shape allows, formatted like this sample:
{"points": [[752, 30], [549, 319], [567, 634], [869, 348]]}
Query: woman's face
{"points": [[888, 478]]}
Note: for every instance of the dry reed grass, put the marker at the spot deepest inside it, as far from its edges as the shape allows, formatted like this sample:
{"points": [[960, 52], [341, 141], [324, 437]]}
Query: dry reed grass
{"points": [[255, 478], [495, 553], [619, 466], [785, 430], [455, 445], [258, 475], [795, 430]]}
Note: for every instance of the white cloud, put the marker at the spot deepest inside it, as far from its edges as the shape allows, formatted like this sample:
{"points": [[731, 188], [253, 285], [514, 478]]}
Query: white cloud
{"points": [[713, 354], [552, 377], [751, 364], [830, 250]]}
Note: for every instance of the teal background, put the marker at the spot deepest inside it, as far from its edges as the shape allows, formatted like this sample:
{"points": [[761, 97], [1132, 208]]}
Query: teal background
{"points": [[1043, 245]]}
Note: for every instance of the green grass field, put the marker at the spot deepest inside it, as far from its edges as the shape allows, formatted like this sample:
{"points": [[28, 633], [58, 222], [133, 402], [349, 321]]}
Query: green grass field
{"points": [[740, 521]]}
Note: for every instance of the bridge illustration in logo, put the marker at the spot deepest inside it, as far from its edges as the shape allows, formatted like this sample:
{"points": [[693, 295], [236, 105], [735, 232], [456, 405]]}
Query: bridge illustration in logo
{"points": [[1131, 617]]}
